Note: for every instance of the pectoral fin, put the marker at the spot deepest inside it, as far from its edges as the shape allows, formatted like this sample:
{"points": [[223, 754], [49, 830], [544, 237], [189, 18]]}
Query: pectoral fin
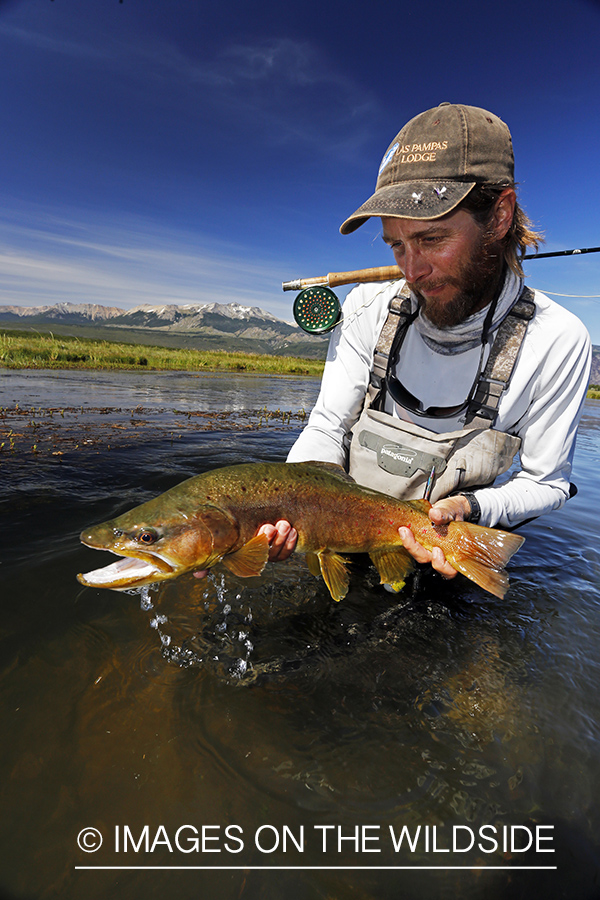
{"points": [[250, 559], [393, 566], [335, 574]]}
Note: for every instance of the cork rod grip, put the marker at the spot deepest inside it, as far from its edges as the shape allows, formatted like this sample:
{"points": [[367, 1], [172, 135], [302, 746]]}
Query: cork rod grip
{"points": [[333, 279], [362, 276]]}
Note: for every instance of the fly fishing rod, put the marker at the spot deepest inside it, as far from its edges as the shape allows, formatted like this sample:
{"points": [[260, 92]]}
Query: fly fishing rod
{"points": [[317, 309]]}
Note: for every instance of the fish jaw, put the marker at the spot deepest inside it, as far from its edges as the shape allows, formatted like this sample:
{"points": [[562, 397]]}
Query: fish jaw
{"points": [[132, 569], [127, 572], [155, 548]]}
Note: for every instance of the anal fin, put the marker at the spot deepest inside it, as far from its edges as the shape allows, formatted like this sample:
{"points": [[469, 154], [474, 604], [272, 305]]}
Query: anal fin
{"points": [[250, 559], [393, 565], [314, 566], [335, 574]]}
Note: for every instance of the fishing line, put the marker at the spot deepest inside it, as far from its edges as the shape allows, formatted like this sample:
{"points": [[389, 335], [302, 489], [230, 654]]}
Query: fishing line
{"points": [[572, 296]]}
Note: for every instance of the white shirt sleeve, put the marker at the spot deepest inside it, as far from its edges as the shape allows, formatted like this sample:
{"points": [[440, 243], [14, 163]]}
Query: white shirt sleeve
{"points": [[542, 405], [346, 375]]}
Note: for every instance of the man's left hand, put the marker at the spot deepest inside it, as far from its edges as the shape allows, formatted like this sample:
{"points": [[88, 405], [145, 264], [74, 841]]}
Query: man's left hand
{"points": [[450, 509]]}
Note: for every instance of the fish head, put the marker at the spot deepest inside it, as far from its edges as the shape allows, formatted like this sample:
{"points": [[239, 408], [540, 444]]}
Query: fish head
{"points": [[155, 546]]}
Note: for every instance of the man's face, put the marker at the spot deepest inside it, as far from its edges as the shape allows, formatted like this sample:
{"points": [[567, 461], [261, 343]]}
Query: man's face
{"points": [[450, 263]]}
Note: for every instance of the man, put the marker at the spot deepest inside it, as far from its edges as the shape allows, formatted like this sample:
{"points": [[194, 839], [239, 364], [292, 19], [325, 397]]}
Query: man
{"points": [[477, 367]]}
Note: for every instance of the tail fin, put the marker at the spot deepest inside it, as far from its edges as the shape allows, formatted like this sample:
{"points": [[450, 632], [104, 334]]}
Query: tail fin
{"points": [[482, 553]]}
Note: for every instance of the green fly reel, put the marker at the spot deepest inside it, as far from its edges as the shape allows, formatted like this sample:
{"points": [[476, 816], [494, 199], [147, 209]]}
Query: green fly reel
{"points": [[317, 310]]}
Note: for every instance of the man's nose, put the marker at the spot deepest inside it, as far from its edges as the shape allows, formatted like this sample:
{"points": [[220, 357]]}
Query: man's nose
{"points": [[414, 265]]}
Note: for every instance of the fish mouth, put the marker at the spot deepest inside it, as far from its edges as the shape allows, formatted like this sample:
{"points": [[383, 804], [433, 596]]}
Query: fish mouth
{"points": [[128, 572]]}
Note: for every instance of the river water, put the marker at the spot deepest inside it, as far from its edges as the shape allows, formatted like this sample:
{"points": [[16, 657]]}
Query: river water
{"points": [[250, 738]]}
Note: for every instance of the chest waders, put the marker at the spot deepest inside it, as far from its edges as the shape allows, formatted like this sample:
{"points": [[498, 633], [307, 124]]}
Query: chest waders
{"points": [[405, 460]]}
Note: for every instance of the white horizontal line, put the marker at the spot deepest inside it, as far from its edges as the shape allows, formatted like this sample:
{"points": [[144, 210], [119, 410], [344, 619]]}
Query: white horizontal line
{"points": [[315, 868]]}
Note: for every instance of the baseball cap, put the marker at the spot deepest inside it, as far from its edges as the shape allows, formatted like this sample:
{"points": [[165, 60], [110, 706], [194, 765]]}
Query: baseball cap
{"points": [[435, 160]]}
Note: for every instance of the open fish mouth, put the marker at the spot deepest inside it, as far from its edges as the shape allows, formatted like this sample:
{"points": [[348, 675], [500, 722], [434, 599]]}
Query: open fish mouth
{"points": [[126, 572]]}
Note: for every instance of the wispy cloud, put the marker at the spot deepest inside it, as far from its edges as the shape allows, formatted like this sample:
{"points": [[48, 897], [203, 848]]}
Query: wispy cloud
{"points": [[46, 259], [287, 87]]}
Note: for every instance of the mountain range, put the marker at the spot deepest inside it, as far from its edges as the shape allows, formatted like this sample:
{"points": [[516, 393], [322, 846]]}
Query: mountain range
{"points": [[205, 326]]}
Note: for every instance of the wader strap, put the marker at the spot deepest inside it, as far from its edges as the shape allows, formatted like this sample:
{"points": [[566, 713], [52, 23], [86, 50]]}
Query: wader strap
{"points": [[398, 319], [495, 378], [483, 409]]}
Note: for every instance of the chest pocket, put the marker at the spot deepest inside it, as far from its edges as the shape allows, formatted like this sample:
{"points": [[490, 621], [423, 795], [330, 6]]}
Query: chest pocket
{"points": [[401, 458], [398, 457]]}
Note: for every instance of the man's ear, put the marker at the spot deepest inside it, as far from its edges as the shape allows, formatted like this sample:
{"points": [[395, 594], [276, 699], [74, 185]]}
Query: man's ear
{"points": [[503, 213]]}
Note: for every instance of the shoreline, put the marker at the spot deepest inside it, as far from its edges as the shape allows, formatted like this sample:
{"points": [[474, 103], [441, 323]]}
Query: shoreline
{"points": [[24, 350]]}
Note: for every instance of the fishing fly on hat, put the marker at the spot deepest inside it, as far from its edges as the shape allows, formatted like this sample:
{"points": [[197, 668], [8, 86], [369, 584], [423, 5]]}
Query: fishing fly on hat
{"points": [[435, 160]]}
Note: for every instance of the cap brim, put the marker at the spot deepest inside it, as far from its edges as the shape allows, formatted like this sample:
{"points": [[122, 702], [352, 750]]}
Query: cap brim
{"points": [[411, 200]]}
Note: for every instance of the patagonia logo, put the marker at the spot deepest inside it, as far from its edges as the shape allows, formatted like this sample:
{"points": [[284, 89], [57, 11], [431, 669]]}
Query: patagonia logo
{"points": [[398, 453], [399, 460]]}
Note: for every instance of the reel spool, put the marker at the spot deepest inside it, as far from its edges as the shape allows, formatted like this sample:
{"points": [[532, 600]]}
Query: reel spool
{"points": [[317, 310]]}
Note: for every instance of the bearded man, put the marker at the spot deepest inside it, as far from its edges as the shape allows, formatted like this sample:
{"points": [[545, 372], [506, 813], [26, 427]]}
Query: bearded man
{"points": [[435, 383]]}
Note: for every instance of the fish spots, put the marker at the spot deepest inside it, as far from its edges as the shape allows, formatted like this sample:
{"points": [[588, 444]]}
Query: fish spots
{"points": [[243, 488]]}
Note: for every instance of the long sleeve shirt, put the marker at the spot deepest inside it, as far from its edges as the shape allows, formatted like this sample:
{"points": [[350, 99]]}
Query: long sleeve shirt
{"points": [[542, 404]]}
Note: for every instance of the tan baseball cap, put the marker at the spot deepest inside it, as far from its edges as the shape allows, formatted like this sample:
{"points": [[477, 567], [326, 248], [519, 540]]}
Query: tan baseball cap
{"points": [[435, 160]]}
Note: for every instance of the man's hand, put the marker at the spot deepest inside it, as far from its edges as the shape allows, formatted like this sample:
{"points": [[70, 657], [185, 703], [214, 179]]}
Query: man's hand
{"points": [[450, 509], [282, 542]]}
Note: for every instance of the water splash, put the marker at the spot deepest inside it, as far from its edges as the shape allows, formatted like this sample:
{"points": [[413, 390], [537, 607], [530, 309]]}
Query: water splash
{"points": [[231, 636]]}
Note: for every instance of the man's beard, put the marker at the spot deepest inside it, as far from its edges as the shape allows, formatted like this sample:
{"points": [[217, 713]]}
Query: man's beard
{"points": [[477, 283]]}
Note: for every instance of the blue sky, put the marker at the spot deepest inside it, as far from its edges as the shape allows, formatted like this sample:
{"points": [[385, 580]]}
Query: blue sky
{"points": [[178, 151]]}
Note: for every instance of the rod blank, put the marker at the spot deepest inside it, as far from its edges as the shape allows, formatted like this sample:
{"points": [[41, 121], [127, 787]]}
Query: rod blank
{"points": [[391, 273]]}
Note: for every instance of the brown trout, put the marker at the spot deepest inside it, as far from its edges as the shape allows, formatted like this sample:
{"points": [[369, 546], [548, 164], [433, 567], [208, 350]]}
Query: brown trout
{"points": [[213, 518]]}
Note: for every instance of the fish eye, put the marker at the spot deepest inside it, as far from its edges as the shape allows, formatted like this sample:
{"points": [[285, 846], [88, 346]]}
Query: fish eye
{"points": [[147, 536]]}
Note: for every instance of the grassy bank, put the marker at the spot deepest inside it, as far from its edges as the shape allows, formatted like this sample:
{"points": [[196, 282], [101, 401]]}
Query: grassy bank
{"points": [[23, 350]]}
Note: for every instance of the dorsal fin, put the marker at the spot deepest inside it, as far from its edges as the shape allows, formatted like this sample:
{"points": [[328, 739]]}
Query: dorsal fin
{"points": [[422, 506], [332, 468]]}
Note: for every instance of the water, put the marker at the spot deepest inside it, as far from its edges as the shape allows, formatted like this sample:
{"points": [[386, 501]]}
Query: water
{"points": [[258, 716]]}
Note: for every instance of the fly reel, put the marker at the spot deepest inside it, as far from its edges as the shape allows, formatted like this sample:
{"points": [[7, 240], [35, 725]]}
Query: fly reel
{"points": [[317, 310]]}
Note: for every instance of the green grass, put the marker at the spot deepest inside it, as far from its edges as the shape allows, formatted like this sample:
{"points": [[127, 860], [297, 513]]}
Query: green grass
{"points": [[24, 350]]}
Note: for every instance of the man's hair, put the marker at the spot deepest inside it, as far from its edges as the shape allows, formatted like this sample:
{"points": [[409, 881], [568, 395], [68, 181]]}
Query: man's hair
{"points": [[480, 203]]}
